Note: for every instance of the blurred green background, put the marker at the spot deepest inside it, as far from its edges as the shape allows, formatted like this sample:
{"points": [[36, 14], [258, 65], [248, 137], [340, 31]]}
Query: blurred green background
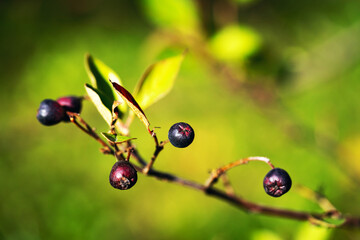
{"points": [[262, 78]]}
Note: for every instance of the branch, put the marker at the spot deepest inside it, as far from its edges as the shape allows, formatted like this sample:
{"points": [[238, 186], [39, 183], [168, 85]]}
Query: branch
{"points": [[228, 195], [235, 81], [158, 148], [349, 221], [216, 173], [74, 118]]}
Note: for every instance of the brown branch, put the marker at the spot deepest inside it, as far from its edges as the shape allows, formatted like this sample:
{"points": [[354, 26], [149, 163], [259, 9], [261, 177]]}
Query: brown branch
{"points": [[158, 148], [228, 196], [74, 118], [350, 221], [135, 154]]}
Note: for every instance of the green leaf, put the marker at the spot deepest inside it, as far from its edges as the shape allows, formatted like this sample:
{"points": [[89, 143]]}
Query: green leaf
{"points": [[157, 80], [99, 74], [131, 102], [102, 103], [114, 138]]}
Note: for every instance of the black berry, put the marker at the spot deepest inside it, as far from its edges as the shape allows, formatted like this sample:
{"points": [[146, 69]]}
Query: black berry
{"points": [[181, 135], [123, 175], [70, 104], [277, 182], [50, 112]]}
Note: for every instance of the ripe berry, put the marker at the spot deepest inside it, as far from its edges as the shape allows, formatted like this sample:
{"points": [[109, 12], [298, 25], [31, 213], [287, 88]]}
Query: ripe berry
{"points": [[277, 182], [181, 135], [70, 104], [50, 112], [123, 175]]}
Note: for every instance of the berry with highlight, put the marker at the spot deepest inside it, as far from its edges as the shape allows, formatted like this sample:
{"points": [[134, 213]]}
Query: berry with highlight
{"points": [[70, 104], [181, 135], [123, 175], [277, 182], [50, 112]]}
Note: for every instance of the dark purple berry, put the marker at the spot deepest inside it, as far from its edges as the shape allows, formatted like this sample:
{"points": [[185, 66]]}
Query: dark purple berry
{"points": [[181, 135], [123, 175], [50, 112], [70, 104], [277, 182]]}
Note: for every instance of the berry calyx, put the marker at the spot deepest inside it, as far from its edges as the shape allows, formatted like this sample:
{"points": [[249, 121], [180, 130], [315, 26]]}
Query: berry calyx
{"points": [[277, 182], [70, 104], [50, 112], [181, 135], [123, 175]]}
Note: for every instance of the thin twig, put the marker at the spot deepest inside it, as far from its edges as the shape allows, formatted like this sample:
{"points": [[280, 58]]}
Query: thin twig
{"points": [[158, 149], [329, 209], [216, 173], [136, 155], [130, 150], [164, 142], [74, 118], [226, 182]]}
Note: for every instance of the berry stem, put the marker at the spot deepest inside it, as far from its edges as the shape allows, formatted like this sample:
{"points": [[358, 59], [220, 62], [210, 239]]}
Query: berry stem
{"points": [[216, 173], [158, 149], [153, 134], [118, 153], [130, 150], [162, 143]]}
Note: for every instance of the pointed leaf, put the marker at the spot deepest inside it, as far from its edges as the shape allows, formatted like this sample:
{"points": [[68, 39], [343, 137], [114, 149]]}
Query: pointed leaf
{"points": [[131, 102], [102, 103], [114, 138], [99, 73], [157, 81]]}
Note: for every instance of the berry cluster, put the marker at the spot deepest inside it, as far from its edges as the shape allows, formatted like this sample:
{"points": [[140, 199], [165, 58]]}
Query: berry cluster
{"points": [[52, 112], [276, 183], [123, 175]]}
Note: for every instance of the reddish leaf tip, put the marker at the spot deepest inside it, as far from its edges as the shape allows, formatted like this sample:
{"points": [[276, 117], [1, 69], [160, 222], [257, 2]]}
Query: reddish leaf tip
{"points": [[126, 95]]}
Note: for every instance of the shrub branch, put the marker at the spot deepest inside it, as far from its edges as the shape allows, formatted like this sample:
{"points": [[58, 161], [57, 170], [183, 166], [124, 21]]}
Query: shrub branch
{"points": [[228, 195]]}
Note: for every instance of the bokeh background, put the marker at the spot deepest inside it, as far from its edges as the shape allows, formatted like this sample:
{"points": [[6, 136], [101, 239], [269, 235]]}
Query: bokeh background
{"points": [[262, 78]]}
